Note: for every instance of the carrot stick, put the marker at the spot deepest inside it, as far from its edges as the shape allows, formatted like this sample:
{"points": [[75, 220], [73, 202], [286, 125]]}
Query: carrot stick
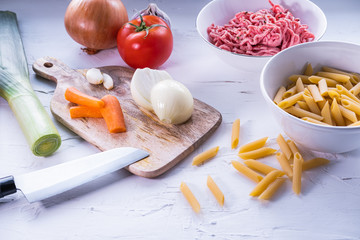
{"points": [[113, 115], [75, 96], [85, 111]]}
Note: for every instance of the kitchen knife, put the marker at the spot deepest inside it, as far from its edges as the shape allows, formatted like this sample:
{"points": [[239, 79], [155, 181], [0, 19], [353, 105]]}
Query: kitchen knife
{"points": [[50, 181]]}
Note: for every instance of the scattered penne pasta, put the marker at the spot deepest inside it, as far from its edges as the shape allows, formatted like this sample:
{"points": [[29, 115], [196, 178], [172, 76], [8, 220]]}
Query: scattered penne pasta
{"points": [[258, 153], [253, 145], [247, 171], [313, 163], [235, 133], [215, 191], [284, 147], [259, 166], [190, 197], [285, 165], [297, 172], [294, 149], [265, 182], [271, 189], [204, 156]]}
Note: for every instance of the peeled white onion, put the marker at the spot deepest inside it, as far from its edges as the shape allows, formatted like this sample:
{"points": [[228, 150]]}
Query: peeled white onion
{"points": [[172, 102], [142, 83]]}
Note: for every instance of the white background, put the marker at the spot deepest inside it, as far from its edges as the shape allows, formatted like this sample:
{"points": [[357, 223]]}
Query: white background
{"points": [[124, 206]]}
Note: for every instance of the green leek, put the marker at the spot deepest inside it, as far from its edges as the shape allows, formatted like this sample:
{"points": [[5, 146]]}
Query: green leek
{"points": [[15, 88]]}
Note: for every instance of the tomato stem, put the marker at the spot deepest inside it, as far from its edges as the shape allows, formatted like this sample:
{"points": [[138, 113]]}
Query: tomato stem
{"points": [[143, 27]]}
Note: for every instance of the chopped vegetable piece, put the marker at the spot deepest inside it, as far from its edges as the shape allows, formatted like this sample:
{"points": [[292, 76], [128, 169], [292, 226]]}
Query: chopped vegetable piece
{"points": [[75, 96], [85, 111], [15, 87], [113, 115]]}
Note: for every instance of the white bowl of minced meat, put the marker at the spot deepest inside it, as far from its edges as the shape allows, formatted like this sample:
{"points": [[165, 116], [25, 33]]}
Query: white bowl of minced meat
{"points": [[246, 34]]}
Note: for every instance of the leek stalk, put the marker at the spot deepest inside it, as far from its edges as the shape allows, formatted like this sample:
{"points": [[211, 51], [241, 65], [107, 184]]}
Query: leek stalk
{"points": [[15, 88]]}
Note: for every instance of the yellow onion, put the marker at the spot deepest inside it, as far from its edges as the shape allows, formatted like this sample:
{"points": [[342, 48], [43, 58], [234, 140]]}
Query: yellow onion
{"points": [[95, 23]]}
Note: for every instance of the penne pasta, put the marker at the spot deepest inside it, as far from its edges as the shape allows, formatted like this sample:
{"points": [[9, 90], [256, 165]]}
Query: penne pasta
{"points": [[297, 172], [336, 114], [321, 104], [355, 89], [284, 163], [298, 112], [304, 78], [312, 120], [258, 153], [271, 189], [308, 70], [330, 98], [317, 79], [351, 106], [336, 76], [204, 156], [313, 163], [299, 85], [253, 145], [315, 93], [292, 146], [333, 94], [342, 90], [247, 171], [311, 103], [284, 147], [355, 124], [288, 93], [353, 77], [235, 133], [348, 114], [323, 88], [259, 166], [279, 94], [215, 190], [342, 96], [303, 105], [326, 114], [348, 85], [190, 197], [290, 101], [264, 183]]}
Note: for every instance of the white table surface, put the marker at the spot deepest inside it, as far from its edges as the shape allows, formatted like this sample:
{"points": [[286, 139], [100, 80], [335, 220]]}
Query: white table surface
{"points": [[125, 206]]}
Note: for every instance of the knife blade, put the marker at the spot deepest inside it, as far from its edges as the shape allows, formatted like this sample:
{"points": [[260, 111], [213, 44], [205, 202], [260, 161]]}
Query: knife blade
{"points": [[47, 182]]}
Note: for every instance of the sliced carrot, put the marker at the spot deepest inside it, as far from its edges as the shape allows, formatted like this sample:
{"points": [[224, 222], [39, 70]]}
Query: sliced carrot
{"points": [[85, 111], [113, 115], [75, 96]]}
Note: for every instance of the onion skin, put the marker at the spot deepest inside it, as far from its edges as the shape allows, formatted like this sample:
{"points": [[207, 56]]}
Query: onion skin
{"points": [[95, 23]]}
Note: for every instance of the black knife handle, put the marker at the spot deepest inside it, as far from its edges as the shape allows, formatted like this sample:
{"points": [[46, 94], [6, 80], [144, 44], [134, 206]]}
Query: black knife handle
{"points": [[7, 186]]}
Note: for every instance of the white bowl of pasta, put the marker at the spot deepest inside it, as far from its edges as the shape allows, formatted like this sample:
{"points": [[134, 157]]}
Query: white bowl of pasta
{"points": [[246, 38], [322, 111]]}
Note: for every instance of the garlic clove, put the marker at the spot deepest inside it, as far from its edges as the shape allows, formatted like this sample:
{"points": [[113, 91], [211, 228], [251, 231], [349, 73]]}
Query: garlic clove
{"points": [[142, 82], [154, 10], [108, 81], [94, 76], [172, 102]]}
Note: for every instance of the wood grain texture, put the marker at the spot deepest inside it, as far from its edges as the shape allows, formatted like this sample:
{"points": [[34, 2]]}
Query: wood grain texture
{"points": [[167, 144]]}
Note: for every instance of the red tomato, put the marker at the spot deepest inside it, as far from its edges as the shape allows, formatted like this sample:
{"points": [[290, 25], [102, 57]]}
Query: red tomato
{"points": [[145, 42]]}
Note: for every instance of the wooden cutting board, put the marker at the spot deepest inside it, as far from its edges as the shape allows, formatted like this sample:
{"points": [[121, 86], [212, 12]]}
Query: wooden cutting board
{"points": [[167, 144]]}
